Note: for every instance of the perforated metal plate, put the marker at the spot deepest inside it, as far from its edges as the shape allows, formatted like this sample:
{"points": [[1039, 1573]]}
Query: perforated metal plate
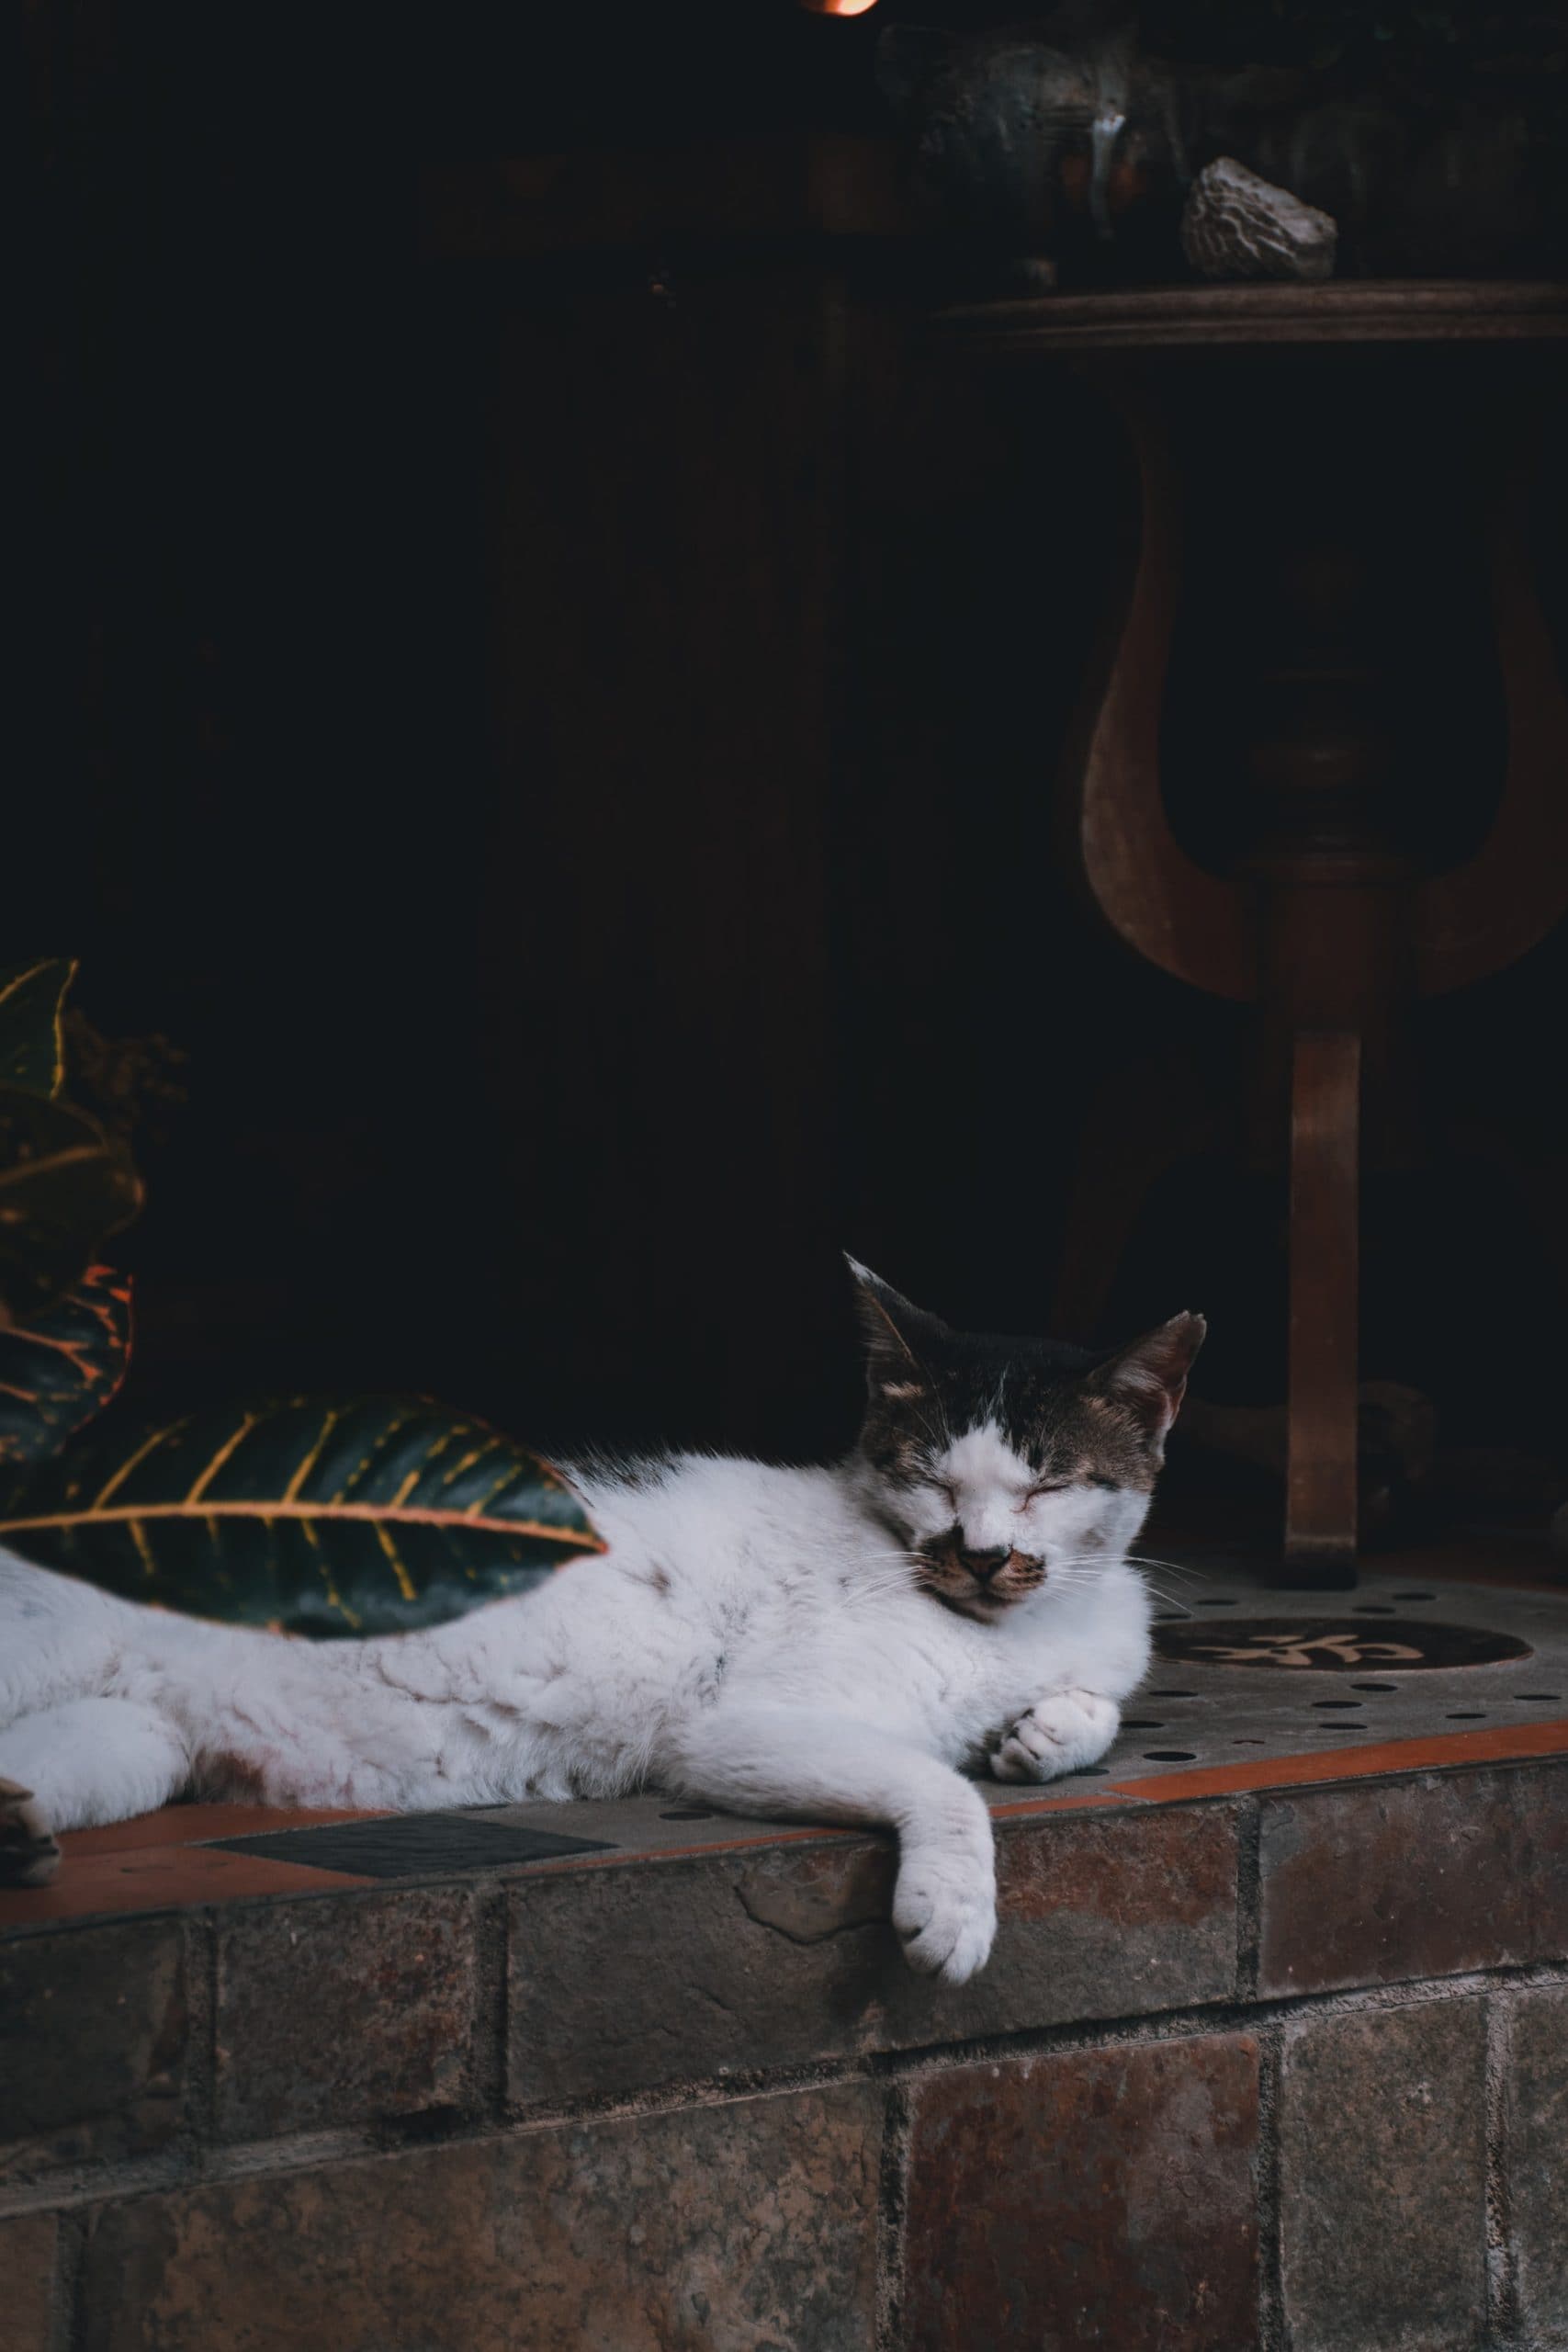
{"points": [[416, 1845], [1503, 1664]]}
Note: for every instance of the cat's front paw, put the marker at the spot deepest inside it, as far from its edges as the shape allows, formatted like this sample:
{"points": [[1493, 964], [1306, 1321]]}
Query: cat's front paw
{"points": [[29, 1854], [1063, 1730], [946, 1916]]}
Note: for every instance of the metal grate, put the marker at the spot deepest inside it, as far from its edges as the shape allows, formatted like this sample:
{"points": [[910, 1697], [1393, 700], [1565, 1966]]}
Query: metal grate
{"points": [[1238, 1678], [415, 1845]]}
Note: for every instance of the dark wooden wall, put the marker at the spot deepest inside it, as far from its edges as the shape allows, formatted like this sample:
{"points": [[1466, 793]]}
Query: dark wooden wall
{"points": [[563, 744]]}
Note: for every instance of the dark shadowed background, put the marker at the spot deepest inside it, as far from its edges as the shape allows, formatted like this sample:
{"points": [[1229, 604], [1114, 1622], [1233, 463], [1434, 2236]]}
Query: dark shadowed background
{"points": [[563, 744]]}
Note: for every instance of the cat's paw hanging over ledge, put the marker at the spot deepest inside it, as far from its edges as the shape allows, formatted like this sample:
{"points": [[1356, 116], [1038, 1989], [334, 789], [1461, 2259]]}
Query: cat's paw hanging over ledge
{"points": [[29, 1854], [1065, 1730], [945, 1914], [947, 1931]]}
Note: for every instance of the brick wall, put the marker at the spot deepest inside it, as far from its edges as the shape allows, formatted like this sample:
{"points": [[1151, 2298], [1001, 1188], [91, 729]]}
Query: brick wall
{"points": [[1287, 2071]]}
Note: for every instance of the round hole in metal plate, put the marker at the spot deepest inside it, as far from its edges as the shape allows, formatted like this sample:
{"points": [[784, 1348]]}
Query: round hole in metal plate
{"points": [[1336, 1703], [1375, 1609], [1414, 1595], [687, 1813], [1246, 1741], [1170, 1755], [1550, 1698], [1467, 1714], [1374, 1686]]}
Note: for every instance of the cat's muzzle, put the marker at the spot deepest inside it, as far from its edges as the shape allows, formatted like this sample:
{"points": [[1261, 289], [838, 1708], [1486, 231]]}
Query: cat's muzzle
{"points": [[979, 1584]]}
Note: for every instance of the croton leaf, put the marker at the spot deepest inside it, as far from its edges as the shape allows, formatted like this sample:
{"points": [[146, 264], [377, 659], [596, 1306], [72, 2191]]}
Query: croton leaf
{"points": [[314, 1515], [59, 1368], [32, 1045], [64, 1185]]}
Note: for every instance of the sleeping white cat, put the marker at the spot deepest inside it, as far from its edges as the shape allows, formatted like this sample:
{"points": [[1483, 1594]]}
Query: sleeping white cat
{"points": [[838, 1644]]}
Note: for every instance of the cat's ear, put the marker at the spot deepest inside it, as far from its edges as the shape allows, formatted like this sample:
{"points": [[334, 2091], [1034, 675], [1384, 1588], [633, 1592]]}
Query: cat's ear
{"points": [[1149, 1376], [894, 1330]]}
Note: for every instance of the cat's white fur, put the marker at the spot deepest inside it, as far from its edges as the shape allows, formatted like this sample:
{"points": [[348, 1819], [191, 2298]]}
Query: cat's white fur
{"points": [[753, 1637]]}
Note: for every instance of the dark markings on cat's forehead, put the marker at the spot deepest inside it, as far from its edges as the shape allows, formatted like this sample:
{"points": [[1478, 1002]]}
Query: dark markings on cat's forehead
{"points": [[1033, 1390]]}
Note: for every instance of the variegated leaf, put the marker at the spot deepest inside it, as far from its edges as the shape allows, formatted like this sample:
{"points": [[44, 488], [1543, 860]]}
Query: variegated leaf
{"points": [[312, 1515], [32, 1045], [64, 1186], [59, 1368]]}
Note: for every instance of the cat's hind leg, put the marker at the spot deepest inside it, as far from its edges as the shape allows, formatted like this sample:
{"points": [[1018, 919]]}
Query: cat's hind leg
{"points": [[92, 1761]]}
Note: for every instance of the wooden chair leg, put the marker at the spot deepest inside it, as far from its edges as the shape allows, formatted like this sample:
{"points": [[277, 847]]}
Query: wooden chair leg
{"points": [[1320, 1443]]}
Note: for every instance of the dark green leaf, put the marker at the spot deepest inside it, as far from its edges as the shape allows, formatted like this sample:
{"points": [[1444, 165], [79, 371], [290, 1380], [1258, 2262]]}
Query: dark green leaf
{"points": [[312, 1514], [32, 1050], [63, 1187], [61, 1367]]}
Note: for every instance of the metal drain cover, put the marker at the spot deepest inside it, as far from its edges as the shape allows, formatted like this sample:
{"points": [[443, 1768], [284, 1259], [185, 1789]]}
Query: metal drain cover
{"points": [[412, 1844], [1330, 1645]]}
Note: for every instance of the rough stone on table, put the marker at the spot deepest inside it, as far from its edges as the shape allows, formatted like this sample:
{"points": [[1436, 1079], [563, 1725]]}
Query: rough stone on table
{"points": [[1237, 225]]}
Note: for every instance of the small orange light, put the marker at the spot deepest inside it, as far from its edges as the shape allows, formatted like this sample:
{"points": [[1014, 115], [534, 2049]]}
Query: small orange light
{"points": [[839, 7]]}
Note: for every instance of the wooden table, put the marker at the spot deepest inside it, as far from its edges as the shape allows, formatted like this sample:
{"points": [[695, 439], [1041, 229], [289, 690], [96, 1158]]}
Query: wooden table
{"points": [[1321, 430]]}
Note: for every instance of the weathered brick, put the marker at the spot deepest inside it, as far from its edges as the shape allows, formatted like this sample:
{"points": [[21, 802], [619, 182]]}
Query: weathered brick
{"points": [[746, 2225], [1104, 2197], [1392, 1880], [624, 1979], [336, 2011], [1383, 2179], [93, 2043], [27, 2262], [1538, 2157]]}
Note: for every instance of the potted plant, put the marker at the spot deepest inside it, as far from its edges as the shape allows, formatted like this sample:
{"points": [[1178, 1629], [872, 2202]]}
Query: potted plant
{"points": [[314, 1515]]}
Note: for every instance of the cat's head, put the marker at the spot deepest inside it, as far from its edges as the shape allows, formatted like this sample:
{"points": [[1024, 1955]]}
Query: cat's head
{"points": [[1004, 1464]]}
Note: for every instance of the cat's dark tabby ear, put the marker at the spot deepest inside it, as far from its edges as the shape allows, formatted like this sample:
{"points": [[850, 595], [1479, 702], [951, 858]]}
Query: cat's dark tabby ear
{"points": [[1149, 1376], [894, 1330]]}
